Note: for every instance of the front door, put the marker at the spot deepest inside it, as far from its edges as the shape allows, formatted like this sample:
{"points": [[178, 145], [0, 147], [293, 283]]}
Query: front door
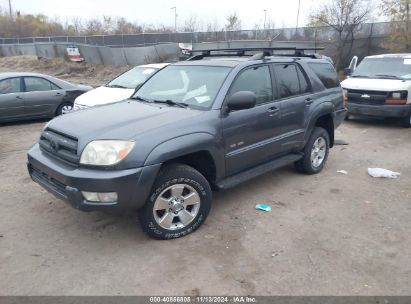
{"points": [[41, 96], [250, 135], [11, 99]]}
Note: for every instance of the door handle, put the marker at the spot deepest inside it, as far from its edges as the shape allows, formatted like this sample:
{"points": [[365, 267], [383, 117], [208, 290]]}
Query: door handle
{"points": [[19, 97], [308, 101], [272, 111], [59, 94]]}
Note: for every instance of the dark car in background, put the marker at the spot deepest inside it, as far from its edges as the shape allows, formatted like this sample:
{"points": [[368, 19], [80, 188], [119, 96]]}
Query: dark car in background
{"points": [[32, 95]]}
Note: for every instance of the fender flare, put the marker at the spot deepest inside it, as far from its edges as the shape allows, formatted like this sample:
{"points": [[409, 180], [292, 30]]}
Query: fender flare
{"points": [[187, 144], [326, 108]]}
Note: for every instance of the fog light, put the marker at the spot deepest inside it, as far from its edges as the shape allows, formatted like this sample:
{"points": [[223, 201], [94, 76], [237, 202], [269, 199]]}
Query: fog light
{"points": [[104, 197]]}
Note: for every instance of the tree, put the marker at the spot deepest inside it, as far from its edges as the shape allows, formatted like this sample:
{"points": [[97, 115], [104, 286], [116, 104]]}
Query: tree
{"points": [[192, 25], [344, 17], [398, 12], [233, 23]]}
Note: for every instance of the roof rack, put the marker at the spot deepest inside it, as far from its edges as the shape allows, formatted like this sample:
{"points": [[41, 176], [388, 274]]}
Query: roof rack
{"points": [[265, 52]]}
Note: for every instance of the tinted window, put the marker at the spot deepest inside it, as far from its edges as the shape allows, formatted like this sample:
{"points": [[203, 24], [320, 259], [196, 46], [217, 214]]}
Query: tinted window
{"points": [[326, 73], [256, 80], [38, 84], [11, 85], [287, 79]]}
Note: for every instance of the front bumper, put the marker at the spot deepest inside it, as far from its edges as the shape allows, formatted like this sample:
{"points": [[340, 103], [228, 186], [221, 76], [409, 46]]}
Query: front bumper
{"points": [[66, 182], [379, 110]]}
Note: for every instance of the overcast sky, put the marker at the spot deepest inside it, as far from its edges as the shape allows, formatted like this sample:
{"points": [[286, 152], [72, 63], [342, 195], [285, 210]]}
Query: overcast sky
{"points": [[282, 12]]}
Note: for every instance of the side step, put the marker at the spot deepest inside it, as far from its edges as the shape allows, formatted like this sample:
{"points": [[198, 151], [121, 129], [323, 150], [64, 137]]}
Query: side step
{"points": [[239, 178]]}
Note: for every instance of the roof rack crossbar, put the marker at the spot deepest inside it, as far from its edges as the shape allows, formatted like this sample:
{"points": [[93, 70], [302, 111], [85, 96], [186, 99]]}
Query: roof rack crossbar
{"points": [[285, 48], [265, 52]]}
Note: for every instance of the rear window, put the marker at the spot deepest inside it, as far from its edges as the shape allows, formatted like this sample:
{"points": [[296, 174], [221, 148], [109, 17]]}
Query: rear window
{"points": [[326, 73]]}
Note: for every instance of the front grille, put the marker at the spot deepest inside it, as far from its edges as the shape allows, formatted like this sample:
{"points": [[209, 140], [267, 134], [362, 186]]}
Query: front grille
{"points": [[48, 181], [367, 97], [60, 146]]}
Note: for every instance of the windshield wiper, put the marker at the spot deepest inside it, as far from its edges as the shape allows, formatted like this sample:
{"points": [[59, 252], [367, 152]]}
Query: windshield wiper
{"points": [[167, 101], [172, 103], [389, 76], [139, 98], [116, 86], [360, 76]]}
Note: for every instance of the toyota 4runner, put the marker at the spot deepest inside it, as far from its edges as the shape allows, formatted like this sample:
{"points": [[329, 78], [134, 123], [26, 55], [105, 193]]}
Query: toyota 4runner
{"points": [[212, 122]]}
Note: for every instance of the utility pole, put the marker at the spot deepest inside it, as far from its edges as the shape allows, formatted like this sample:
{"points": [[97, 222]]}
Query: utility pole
{"points": [[298, 13], [10, 9], [407, 24], [175, 18], [265, 18]]}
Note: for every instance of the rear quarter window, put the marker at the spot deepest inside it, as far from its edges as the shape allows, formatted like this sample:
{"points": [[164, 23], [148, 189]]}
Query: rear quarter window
{"points": [[326, 73]]}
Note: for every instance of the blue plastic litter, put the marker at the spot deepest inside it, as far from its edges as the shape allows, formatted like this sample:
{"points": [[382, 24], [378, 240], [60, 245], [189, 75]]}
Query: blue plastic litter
{"points": [[263, 207]]}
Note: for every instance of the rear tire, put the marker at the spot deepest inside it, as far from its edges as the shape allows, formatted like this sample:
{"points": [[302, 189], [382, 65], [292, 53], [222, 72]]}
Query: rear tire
{"points": [[406, 122], [315, 152], [178, 203], [64, 108]]}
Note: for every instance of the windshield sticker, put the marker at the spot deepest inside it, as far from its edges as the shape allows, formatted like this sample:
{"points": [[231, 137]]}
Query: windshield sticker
{"points": [[202, 99], [407, 61], [148, 71]]}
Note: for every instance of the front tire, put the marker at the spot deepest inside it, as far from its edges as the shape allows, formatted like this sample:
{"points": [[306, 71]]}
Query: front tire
{"points": [[315, 152], [178, 204], [64, 108], [406, 122]]}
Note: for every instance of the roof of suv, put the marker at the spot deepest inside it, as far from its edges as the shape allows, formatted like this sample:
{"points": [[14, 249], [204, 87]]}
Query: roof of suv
{"points": [[234, 61]]}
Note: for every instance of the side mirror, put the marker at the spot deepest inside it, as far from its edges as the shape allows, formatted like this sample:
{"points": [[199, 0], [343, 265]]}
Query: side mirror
{"points": [[241, 100], [347, 71]]}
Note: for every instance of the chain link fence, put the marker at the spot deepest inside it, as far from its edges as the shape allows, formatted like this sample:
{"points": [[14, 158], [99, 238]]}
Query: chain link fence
{"points": [[320, 34]]}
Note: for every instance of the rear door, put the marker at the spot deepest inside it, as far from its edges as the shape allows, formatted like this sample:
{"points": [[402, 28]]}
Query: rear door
{"points": [[41, 96], [251, 135], [294, 93], [11, 99]]}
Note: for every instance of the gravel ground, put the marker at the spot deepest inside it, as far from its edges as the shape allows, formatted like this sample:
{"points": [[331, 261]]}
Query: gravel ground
{"points": [[328, 234]]}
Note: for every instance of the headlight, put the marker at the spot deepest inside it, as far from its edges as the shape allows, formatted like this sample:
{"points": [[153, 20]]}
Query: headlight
{"points": [[397, 98], [106, 152], [78, 107]]}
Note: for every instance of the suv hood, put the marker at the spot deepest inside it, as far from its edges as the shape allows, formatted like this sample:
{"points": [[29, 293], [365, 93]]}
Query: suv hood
{"points": [[122, 120], [375, 84], [103, 95]]}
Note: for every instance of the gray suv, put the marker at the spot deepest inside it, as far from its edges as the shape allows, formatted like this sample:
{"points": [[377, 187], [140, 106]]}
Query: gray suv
{"points": [[212, 122]]}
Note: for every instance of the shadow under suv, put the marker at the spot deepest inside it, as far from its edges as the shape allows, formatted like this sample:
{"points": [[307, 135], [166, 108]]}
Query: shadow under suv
{"points": [[212, 122]]}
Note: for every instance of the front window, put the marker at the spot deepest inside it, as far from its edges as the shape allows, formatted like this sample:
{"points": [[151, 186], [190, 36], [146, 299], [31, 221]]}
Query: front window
{"points": [[385, 68], [132, 78], [194, 86], [10, 85]]}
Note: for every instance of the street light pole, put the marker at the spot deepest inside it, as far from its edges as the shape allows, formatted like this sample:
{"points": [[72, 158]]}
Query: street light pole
{"points": [[175, 18], [10, 8], [298, 13], [265, 18]]}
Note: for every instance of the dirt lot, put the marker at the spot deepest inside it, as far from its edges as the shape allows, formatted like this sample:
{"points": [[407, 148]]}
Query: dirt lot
{"points": [[329, 234], [84, 73]]}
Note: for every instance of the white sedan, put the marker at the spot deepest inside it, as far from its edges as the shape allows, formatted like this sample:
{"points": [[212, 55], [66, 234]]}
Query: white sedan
{"points": [[120, 88]]}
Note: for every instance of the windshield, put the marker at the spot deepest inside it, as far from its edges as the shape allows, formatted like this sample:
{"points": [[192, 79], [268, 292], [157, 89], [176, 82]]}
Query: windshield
{"points": [[384, 68], [194, 86], [132, 78]]}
